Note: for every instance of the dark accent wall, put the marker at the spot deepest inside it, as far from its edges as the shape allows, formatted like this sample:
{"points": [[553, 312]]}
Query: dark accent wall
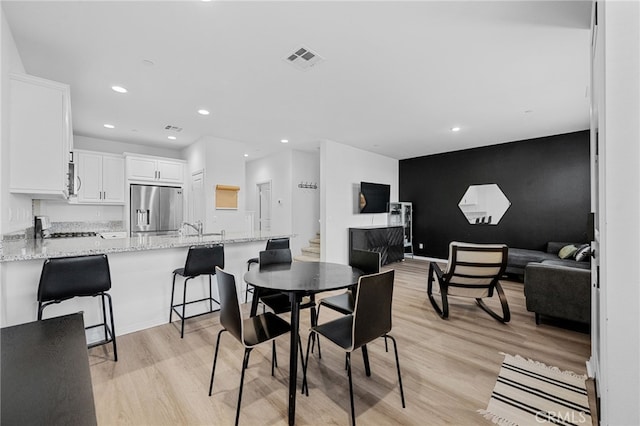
{"points": [[546, 179]]}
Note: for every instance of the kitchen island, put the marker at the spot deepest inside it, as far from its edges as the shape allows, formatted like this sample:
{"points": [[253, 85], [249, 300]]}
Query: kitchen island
{"points": [[140, 267]]}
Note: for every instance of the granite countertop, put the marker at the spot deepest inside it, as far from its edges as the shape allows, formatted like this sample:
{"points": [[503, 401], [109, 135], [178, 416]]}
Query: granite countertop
{"points": [[30, 249]]}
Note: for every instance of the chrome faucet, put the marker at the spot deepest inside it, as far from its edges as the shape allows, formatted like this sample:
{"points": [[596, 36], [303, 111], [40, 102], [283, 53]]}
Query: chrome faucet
{"points": [[197, 226]]}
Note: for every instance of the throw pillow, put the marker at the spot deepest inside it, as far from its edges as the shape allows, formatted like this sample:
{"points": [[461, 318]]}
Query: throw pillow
{"points": [[583, 252], [567, 251]]}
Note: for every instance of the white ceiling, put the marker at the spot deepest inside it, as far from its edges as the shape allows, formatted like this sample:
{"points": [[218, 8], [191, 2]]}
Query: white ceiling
{"points": [[396, 76]]}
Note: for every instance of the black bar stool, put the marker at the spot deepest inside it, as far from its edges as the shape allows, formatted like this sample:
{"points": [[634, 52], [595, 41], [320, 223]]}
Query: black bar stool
{"points": [[201, 260], [68, 277]]}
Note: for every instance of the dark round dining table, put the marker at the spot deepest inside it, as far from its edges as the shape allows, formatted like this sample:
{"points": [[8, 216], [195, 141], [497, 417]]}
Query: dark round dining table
{"points": [[299, 279]]}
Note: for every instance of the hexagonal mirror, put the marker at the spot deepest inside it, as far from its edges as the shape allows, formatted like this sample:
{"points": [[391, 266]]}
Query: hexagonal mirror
{"points": [[484, 204]]}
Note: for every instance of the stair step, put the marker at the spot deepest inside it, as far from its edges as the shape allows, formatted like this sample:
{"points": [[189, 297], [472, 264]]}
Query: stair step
{"points": [[304, 258], [315, 241], [311, 251]]}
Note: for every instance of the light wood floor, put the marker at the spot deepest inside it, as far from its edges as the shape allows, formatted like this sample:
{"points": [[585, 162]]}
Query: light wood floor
{"points": [[448, 367]]}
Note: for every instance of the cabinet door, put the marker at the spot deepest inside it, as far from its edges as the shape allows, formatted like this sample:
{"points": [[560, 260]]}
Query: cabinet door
{"points": [[90, 178], [139, 168], [113, 179], [170, 171], [39, 147]]}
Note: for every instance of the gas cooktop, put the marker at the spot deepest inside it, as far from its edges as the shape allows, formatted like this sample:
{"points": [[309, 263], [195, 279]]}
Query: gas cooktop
{"points": [[72, 234]]}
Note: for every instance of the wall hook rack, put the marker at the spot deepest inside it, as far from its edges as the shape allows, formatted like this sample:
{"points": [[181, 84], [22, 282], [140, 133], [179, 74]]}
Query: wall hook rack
{"points": [[308, 185]]}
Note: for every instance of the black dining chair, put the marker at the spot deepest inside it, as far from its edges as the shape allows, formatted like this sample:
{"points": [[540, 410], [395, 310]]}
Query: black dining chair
{"points": [[371, 319], [474, 271], [272, 244], [80, 276], [201, 260], [369, 263], [250, 332], [275, 300]]}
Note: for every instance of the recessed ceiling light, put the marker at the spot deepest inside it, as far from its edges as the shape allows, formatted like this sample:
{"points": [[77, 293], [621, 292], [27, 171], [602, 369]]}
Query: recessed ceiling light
{"points": [[203, 112], [246, 155], [455, 129], [119, 89], [173, 138], [109, 126], [284, 140]]}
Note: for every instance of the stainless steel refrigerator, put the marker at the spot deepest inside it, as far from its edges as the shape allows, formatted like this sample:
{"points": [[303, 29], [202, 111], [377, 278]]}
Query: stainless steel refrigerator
{"points": [[155, 210]]}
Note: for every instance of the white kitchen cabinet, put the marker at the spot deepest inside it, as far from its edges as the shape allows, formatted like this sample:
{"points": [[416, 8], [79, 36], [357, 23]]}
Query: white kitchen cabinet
{"points": [[155, 169], [100, 178], [170, 171], [40, 136]]}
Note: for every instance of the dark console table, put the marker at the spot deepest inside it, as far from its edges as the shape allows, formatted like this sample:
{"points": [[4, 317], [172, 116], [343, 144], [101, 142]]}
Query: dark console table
{"points": [[386, 240], [45, 374]]}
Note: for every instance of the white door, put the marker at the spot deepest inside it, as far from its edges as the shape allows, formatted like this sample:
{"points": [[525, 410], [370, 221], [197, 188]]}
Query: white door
{"points": [[196, 198], [264, 206]]}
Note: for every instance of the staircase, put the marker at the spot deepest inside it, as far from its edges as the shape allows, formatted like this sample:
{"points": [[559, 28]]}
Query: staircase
{"points": [[312, 252]]}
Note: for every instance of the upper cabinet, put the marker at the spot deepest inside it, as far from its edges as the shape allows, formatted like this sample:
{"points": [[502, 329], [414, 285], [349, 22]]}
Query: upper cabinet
{"points": [[40, 136], [155, 169], [100, 178]]}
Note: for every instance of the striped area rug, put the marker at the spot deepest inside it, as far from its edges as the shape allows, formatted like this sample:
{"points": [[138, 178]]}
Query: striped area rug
{"points": [[531, 393]]}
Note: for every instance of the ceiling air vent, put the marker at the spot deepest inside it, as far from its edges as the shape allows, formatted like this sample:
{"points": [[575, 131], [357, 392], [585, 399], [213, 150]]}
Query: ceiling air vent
{"points": [[173, 128], [303, 59]]}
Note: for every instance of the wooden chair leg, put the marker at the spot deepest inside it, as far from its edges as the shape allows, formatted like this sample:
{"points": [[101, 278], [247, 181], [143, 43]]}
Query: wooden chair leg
{"points": [[506, 314], [444, 311]]}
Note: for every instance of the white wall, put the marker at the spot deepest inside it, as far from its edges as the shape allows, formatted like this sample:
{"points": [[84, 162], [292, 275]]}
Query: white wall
{"points": [[277, 169], [115, 147], [342, 168], [619, 27], [305, 217], [15, 211], [223, 163], [294, 210]]}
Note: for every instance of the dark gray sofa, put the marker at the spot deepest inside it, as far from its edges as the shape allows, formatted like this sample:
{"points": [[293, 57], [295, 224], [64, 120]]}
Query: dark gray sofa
{"points": [[519, 258], [554, 289]]}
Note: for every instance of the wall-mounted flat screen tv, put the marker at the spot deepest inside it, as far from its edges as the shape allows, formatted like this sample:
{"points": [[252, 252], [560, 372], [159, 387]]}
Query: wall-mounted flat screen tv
{"points": [[374, 197]]}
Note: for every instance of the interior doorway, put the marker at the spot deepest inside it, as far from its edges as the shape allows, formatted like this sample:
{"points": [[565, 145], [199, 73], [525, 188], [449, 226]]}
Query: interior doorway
{"points": [[196, 200], [264, 206]]}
